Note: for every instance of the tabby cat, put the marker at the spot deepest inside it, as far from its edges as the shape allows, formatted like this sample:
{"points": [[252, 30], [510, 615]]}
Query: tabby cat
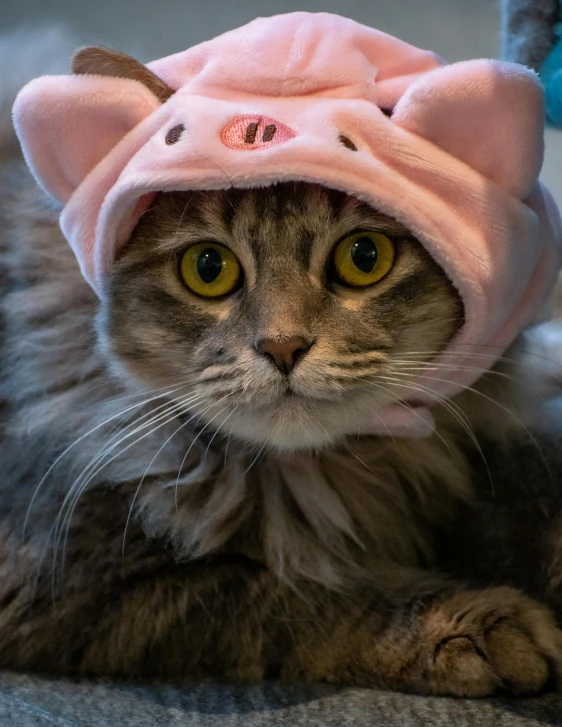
{"points": [[188, 489]]}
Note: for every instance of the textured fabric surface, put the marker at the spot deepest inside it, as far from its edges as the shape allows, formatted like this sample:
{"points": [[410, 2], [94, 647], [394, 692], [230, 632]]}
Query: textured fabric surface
{"points": [[27, 701]]}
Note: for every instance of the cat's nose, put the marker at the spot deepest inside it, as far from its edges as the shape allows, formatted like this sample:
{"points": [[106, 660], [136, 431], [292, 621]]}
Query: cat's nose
{"points": [[285, 354]]}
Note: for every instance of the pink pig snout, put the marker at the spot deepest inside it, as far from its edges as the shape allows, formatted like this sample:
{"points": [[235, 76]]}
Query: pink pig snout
{"points": [[250, 133]]}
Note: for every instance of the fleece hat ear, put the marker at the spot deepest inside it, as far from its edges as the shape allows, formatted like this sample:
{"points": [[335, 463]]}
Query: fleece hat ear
{"points": [[67, 124], [489, 114]]}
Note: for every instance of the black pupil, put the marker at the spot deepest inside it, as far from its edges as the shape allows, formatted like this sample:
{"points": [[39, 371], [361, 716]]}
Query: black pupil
{"points": [[209, 265], [364, 254]]}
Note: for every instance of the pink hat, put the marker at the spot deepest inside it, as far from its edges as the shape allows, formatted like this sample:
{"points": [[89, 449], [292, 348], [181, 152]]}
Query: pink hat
{"points": [[307, 97]]}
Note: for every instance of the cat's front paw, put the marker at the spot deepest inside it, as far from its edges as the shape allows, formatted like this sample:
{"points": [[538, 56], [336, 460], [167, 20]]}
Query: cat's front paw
{"points": [[477, 643]]}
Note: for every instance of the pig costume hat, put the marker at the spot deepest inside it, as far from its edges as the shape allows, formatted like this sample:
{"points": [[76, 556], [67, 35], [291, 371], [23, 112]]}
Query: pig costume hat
{"points": [[452, 151]]}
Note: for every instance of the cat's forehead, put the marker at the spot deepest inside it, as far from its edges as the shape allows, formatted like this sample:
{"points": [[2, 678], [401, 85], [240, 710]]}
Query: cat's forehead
{"points": [[267, 217]]}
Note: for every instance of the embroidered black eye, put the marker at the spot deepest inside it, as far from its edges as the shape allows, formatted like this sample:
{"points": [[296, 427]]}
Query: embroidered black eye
{"points": [[174, 134], [346, 141]]}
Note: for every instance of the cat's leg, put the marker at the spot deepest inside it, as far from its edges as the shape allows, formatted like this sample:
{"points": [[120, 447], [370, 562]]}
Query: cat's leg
{"points": [[453, 642], [411, 632]]}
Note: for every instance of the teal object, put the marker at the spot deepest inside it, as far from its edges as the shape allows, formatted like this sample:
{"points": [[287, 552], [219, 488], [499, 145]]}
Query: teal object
{"points": [[551, 76]]}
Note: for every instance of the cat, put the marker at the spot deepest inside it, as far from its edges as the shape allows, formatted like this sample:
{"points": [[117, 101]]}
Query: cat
{"points": [[186, 487]]}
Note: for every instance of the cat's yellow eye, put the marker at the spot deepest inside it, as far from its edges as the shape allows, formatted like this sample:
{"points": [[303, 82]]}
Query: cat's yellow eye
{"points": [[364, 258], [210, 270]]}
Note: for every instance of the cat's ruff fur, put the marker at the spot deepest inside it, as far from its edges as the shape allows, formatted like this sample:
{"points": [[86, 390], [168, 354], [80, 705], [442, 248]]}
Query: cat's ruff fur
{"points": [[99, 145], [321, 565]]}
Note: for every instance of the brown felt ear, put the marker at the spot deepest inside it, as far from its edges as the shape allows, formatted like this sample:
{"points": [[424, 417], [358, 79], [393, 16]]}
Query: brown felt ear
{"points": [[106, 62]]}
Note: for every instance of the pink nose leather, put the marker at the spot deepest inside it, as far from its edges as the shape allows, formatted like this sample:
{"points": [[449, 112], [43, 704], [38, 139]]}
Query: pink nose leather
{"points": [[251, 133], [284, 354]]}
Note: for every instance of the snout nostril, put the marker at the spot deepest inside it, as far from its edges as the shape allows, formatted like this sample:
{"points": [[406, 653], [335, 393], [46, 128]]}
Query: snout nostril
{"points": [[284, 354]]}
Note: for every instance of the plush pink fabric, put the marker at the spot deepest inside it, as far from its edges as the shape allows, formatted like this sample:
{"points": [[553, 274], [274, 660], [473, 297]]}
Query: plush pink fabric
{"points": [[457, 161]]}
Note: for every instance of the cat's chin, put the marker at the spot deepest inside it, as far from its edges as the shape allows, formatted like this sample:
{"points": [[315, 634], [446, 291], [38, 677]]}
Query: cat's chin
{"points": [[294, 425], [284, 436]]}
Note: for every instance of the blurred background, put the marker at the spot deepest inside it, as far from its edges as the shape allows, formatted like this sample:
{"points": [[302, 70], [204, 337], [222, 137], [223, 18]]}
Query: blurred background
{"points": [[148, 29]]}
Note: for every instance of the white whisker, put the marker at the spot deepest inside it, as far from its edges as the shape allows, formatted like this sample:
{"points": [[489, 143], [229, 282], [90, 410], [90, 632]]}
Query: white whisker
{"points": [[408, 407], [455, 411], [91, 431], [186, 455], [182, 426], [511, 414], [92, 470]]}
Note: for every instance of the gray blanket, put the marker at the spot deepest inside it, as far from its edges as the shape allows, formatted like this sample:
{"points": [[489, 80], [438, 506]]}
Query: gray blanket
{"points": [[27, 701]]}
